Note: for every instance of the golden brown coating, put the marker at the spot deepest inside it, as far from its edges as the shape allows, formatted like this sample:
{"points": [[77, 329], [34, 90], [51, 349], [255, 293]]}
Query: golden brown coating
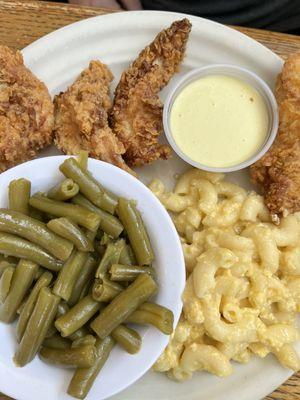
{"points": [[278, 172], [26, 111], [137, 112], [81, 117]]}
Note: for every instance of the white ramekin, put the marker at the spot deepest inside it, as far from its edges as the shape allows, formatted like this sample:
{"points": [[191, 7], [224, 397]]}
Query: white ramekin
{"points": [[237, 72]]}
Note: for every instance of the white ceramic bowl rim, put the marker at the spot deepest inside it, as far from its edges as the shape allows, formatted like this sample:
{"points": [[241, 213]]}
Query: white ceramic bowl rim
{"points": [[121, 369], [232, 70]]}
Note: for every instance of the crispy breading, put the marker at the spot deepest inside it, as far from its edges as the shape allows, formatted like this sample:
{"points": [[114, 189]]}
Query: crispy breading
{"points": [[26, 111], [81, 117], [278, 172], [136, 116]]}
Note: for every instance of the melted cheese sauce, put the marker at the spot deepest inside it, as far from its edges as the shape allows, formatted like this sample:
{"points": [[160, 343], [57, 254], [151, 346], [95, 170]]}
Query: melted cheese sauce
{"points": [[219, 121]]}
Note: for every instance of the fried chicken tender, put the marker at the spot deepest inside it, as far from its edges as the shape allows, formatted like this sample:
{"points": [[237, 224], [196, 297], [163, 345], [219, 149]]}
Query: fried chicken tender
{"points": [[137, 112], [81, 117], [26, 111], [278, 172]]}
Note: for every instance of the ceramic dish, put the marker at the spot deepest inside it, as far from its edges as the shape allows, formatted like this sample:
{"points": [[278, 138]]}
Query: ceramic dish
{"points": [[57, 59]]}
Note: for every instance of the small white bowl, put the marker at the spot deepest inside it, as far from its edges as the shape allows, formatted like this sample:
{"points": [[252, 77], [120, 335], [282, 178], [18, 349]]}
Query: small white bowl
{"points": [[230, 70], [38, 380]]}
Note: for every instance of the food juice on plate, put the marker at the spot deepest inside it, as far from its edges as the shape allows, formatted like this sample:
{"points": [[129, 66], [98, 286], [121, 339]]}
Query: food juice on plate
{"points": [[219, 121]]}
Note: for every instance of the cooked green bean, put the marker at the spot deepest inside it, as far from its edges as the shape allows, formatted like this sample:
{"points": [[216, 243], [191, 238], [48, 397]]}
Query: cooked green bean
{"points": [[36, 232], [12, 245], [88, 186], [78, 357], [109, 224], [136, 231], [65, 228], [39, 273], [26, 312], [128, 273], [18, 195], [64, 190], [127, 256], [4, 265], [51, 331], [161, 320], [127, 338], [78, 214], [79, 334], [62, 309], [123, 305], [111, 256], [82, 159], [57, 342], [21, 282], [84, 378], [84, 280], [11, 260], [69, 274], [104, 290], [157, 310], [37, 327], [88, 339], [5, 283], [77, 316], [36, 214]]}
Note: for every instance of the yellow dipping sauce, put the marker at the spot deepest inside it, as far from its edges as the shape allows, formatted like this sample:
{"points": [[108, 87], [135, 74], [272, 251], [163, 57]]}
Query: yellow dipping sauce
{"points": [[219, 121]]}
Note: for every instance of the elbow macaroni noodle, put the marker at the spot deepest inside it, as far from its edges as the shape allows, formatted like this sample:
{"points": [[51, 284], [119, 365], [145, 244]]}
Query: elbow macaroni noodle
{"points": [[243, 288]]}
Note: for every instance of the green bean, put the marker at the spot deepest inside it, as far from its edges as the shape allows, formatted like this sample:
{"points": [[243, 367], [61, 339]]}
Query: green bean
{"points": [[79, 334], [136, 231], [4, 265], [111, 256], [77, 316], [64, 190], [70, 231], [88, 339], [82, 159], [37, 327], [123, 305], [57, 342], [78, 214], [78, 357], [84, 378], [104, 290], [11, 260], [69, 274], [39, 273], [109, 224], [99, 249], [161, 320], [5, 283], [36, 232], [36, 214], [14, 246], [43, 281], [127, 338], [83, 281], [128, 273], [88, 186], [127, 256], [62, 309], [51, 331], [21, 282], [18, 195]]}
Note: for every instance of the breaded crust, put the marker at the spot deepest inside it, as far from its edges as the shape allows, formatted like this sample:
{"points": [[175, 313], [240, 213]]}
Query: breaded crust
{"points": [[26, 111]]}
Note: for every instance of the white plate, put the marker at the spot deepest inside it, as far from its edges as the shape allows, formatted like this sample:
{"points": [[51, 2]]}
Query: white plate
{"points": [[116, 39], [28, 382]]}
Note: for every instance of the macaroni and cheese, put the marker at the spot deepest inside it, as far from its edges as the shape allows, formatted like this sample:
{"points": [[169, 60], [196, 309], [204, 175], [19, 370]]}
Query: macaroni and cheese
{"points": [[243, 287]]}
